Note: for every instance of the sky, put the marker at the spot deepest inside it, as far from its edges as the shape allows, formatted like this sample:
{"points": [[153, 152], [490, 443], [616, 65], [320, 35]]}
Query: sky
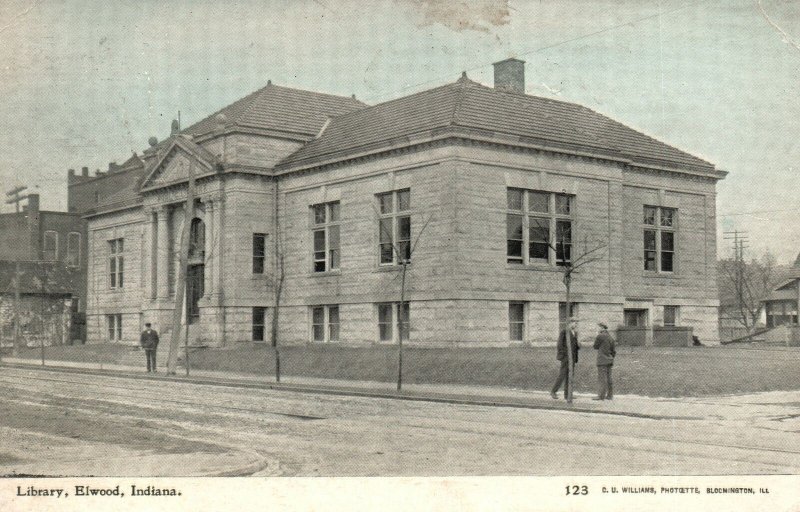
{"points": [[87, 82]]}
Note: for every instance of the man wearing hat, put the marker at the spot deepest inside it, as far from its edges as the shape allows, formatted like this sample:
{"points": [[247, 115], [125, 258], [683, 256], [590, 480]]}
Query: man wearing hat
{"points": [[149, 342], [604, 344], [571, 334]]}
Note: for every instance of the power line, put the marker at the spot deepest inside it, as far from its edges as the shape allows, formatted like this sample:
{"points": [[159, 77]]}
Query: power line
{"points": [[535, 50]]}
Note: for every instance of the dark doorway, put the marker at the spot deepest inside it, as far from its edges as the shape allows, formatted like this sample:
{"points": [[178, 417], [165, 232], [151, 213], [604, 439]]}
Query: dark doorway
{"points": [[195, 273]]}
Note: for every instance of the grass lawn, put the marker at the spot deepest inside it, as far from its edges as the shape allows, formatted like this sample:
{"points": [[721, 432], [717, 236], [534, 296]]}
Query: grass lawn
{"points": [[650, 371]]}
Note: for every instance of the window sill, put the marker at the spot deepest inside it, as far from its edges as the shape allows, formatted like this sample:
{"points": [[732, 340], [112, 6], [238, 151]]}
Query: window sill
{"points": [[541, 267], [327, 273], [660, 275], [391, 268]]}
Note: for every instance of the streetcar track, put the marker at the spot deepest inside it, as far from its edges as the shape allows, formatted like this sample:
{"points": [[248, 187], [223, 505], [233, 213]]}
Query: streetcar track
{"points": [[248, 411]]}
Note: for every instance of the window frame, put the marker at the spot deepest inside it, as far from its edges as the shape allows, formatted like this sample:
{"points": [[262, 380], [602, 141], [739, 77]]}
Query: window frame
{"points": [[405, 327], [530, 217], [675, 315], [259, 259], [76, 261], [116, 263], [52, 235], [395, 215], [114, 326], [262, 310], [331, 222], [521, 323], [656, 227], [326, 324]]}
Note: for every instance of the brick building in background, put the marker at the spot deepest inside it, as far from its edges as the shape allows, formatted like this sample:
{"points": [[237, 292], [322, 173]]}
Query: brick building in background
{"points": [[43, 261], [327, 182]]}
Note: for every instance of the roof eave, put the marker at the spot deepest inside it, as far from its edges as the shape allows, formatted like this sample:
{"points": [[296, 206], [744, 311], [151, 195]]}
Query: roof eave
{"points": [[451, 131]]}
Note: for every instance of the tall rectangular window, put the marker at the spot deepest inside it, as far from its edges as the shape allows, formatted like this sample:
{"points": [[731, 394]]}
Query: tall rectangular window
{"points": [[387, 313], [259, 317], [325, 233], [538, 227], [660, 227], [50, 246], [259, 252], [516, 321], [394, 227], [116, 263], [325, 323], [114, 325], [74, 249]]}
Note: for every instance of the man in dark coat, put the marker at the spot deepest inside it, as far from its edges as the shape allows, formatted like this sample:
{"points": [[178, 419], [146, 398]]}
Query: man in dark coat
{"points": [[562, 355], [606, 351], [149, 342]]}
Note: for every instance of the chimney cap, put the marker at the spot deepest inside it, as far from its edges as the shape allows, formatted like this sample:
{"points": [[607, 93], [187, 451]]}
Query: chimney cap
{"points": [[510, 59]]}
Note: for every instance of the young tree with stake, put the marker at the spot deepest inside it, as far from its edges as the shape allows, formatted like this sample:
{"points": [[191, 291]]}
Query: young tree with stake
{"points": [[403, 250], [570, 259]]}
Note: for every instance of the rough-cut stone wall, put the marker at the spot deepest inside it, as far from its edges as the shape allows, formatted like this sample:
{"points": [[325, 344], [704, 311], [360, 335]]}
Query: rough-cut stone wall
{"points": [[126, 300], [459, 283]]}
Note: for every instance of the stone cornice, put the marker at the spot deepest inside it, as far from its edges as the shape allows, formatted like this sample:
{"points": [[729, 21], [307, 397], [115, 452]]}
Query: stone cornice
{"points": [[450, 136]]}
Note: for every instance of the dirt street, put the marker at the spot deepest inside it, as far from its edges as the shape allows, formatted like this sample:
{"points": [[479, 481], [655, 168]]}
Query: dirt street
{"points": [[64, 424]]}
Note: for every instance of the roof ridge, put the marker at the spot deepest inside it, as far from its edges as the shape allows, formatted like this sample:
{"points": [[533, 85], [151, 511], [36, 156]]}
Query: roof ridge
{"points": [[337, 96], [462, 83], [229, 106], [401, 98], [252, 104]]}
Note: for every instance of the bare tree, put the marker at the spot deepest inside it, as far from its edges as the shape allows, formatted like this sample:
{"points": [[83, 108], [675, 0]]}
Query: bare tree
{"points": [[744, 285], [570, 258], [403, 252]]}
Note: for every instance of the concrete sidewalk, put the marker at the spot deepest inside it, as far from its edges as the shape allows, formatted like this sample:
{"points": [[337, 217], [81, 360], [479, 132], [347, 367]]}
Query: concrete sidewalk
{"points": [[735, 408]]}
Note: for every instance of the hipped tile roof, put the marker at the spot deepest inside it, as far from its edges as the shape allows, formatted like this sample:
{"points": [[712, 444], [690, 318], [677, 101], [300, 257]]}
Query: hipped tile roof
{"points": [[467, 105], [281, 109]]}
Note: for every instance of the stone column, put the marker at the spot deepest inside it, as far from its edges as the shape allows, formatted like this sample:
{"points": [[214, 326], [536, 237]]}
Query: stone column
{"points": [[148, 255], [162, 253], [219, 248], [212, 247]]}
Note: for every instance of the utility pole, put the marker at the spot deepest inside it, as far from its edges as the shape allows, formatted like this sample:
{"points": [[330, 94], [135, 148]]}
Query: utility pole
{"points": [[15, 348], [43, 315], [15, 197], [739, 239], [180, 285]]}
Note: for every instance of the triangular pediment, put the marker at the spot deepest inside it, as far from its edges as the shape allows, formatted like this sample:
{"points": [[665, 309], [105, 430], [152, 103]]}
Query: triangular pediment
{"points": [[173, 166]]}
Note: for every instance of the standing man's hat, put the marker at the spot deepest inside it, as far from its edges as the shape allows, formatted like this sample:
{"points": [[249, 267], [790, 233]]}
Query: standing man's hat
{"points": [[147, 324], [603, 326]]}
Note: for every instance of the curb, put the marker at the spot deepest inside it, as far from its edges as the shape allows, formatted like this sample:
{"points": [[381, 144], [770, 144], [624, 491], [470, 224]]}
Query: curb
{"points": [[344, 391]]}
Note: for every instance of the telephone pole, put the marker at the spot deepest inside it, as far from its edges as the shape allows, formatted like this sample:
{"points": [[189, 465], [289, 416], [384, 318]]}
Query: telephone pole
{"points": [[740, 241], [15, 197]]}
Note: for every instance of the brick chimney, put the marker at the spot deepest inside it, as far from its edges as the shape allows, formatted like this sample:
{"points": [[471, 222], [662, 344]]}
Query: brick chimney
{"points": [[509, 75]]}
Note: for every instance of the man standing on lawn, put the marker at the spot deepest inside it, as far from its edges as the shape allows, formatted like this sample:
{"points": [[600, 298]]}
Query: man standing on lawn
{"points": [[606, 351], [571, 333], [149, 342]]}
